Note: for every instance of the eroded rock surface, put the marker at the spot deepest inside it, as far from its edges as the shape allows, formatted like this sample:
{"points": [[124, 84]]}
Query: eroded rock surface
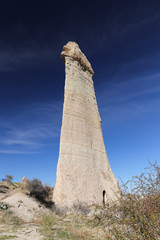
{"points": [[71, 49], [24, 183], [83, 171], [5, 189]]}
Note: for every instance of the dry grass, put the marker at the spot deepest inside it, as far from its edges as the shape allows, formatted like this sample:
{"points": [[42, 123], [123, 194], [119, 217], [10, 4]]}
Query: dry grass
{"points": [[7, 217], [73, 227], [5, 237], [136, 216]]}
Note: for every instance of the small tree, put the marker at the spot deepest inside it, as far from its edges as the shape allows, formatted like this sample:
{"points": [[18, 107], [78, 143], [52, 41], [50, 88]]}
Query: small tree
{"points": [[37, 189], [9, 177]]}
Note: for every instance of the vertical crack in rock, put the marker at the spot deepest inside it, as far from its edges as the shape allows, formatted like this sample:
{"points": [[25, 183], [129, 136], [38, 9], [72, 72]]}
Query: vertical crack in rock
{"points": [[83, 170]]}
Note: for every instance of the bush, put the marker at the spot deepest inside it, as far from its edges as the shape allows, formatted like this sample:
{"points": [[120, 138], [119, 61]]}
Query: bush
{"points": [[136, 216], [37, 189]]}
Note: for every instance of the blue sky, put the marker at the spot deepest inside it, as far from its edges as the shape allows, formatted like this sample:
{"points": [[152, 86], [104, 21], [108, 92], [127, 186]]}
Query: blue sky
{"points": [[120, 39]]}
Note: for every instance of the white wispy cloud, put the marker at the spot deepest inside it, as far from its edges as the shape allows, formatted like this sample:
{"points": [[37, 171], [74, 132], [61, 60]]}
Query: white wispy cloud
{"points": [[117, 26], [11, 151], [33, 128], [127, 90], [130, 99], [13, 57]]}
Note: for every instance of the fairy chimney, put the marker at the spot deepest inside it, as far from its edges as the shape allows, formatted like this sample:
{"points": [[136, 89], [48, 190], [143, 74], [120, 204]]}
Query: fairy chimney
{"points": [[83, 171]]}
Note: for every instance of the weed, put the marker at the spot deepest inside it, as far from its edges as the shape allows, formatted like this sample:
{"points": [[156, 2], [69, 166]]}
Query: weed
{"points": [[5, 237], [67, 227], [8, 217], [46, 224], [63, 234], [81, 234]]}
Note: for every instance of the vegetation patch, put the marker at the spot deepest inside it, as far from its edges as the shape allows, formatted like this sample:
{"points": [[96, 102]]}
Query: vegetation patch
{"points": [[8, 217], [136, 214], [73, 227], [7, 237], [42, 193], [63, 234], [46, 225]]}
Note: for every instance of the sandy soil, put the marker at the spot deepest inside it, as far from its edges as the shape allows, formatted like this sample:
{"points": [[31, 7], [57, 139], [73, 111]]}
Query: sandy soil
{"points": [[25, 207]]}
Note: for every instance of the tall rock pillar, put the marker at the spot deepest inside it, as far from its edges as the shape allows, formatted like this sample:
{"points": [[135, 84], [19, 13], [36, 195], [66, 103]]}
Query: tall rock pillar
{"points": [[83, 171]]}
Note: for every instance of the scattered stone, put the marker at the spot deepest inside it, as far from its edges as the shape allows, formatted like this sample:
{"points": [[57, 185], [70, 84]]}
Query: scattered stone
{"points": [[3, 206]]}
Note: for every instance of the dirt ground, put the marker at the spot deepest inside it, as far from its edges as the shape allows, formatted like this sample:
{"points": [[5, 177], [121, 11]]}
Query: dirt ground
{"points": [[18, 221], [24, 232]]}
